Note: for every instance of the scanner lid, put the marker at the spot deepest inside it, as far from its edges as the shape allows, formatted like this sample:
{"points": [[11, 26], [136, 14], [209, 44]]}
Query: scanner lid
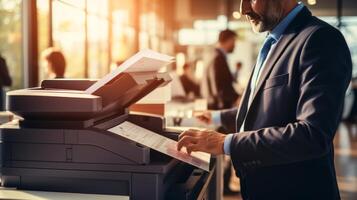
{"points": [[132, 80], [145, 61], [83, 99]]}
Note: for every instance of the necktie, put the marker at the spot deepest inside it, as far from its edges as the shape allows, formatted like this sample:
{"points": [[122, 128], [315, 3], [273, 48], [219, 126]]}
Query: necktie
{"points": [[264, 51]]}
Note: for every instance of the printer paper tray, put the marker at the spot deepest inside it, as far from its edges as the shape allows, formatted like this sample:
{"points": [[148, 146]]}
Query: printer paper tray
{"points": [[181, 182]]}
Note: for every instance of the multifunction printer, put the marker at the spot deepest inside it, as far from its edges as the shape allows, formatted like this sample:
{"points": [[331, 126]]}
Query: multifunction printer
{"points": [[62, 143]]}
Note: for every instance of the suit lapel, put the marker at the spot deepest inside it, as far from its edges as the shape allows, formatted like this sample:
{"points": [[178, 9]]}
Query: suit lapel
{"points": [[271, 60], [243, 107], [275, 54]]}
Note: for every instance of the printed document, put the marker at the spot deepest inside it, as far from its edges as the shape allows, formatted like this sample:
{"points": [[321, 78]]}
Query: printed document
{"points": [[160, 143]]}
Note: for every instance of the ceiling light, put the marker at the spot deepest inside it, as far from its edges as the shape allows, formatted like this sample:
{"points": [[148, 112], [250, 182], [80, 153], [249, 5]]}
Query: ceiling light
{"points": [[236, 15], [311, 2]]}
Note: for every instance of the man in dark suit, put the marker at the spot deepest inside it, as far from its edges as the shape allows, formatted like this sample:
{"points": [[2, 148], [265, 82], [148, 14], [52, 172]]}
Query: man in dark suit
{"points": [[217, 86], [192, 89], [282, 141]]}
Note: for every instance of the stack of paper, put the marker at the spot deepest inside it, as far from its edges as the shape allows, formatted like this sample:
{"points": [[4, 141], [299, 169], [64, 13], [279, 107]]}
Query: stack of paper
{"points": [[143, 61]]}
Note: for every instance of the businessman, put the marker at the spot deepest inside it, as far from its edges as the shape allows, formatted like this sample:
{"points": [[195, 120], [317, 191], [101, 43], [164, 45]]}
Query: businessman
{"points": [[282, 133], [217, 85]]}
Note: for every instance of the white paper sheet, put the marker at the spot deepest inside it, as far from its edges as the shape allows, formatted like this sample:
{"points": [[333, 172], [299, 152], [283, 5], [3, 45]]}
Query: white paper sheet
{"points": [[161, 144], [144, 61]]}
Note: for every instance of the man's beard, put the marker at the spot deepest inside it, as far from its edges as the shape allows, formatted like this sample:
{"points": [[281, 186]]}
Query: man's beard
{"points": [[267, 20]]}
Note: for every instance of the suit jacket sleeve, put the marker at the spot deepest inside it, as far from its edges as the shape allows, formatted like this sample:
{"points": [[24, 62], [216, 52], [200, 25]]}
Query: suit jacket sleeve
{"points": [[324, 72], [228, 119]]}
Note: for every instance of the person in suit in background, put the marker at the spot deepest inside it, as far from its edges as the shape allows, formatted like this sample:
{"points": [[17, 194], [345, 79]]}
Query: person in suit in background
{"points": [[5, 80], [217, 86], [55, 62], [281, 144], [192, 89]]}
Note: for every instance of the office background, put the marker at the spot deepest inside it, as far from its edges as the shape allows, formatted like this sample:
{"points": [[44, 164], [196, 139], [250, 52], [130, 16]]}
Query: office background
{"points": [[97, 35]]}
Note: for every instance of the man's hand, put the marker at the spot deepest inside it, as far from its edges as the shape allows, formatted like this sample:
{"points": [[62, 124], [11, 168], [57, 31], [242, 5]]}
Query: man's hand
{"points": [[204, 116], [206, 141]]}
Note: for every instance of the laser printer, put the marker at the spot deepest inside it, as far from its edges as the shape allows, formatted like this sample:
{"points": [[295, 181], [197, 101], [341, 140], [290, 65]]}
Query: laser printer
{"points": [[62, 142]]}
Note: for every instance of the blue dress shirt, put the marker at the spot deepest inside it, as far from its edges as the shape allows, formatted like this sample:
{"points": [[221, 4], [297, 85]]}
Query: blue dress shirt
{"points": [[276, 34]]}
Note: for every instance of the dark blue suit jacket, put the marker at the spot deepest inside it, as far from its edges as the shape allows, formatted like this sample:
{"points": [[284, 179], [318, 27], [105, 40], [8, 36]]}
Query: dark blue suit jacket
{"points": [[217, 86], [286, 150]]}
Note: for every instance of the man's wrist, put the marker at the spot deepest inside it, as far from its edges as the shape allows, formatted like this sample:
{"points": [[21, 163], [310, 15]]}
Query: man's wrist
{"points": [[216, 118], [227, 144]]}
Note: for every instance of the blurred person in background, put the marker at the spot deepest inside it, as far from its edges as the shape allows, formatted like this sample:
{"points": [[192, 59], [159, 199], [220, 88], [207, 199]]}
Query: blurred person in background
{"points": [[5, 80], [55, 62], [217, 84], [192, 89]]}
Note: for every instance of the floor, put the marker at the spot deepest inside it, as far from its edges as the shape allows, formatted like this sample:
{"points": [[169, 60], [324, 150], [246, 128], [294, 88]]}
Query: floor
{"points": [[345, 161]]}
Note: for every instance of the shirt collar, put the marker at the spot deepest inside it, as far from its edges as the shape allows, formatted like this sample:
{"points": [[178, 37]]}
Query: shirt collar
{"points": [[281, 27]]}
